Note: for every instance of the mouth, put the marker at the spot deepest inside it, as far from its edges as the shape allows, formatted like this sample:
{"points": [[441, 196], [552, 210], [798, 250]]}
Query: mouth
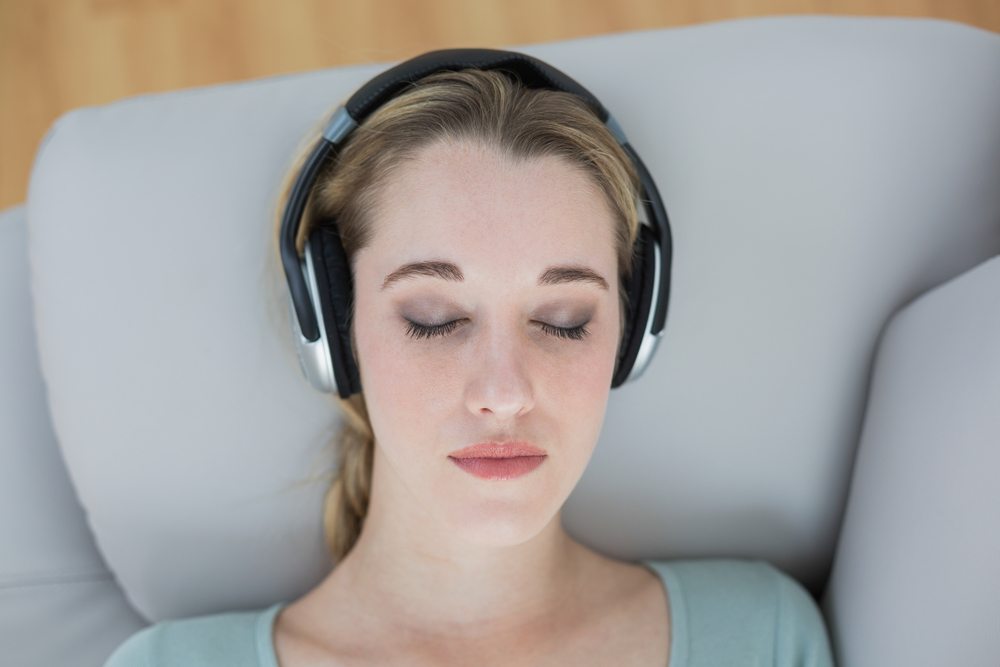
{"points": [[499, 468], [499, 460], [497, 450]]}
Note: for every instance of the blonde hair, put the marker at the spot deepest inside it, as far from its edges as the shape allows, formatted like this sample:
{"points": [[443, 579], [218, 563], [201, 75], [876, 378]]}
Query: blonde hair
{"points": [[484, 106]]}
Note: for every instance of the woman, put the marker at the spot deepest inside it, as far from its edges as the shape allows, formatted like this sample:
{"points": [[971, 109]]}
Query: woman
{"points": [[490, 232]]}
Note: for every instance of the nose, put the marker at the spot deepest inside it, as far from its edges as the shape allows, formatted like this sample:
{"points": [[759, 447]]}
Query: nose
{"points": [[498, 379]]}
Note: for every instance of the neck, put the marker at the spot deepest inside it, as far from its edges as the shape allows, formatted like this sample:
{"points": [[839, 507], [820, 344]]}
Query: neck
{"points": [[408, 576]]}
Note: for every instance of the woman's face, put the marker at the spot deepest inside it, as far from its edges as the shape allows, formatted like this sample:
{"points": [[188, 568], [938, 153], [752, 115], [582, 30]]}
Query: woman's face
{"points": [[499, 371]]}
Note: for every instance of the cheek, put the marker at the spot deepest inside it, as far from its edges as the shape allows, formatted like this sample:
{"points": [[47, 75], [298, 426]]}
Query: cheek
{"points": [[576, 379], [581, 369], [581, 387], [395, 387]]}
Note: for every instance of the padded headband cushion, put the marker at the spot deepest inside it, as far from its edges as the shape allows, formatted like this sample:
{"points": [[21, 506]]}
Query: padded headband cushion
{"points": [[529, 70]]}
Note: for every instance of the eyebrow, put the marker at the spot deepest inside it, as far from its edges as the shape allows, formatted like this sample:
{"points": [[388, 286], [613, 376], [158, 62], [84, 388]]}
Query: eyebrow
{"points": [[554, 275]]}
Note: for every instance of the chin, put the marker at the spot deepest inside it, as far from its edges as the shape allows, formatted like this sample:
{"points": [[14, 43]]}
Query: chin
{"points": [[501, 534], [501, 522]]}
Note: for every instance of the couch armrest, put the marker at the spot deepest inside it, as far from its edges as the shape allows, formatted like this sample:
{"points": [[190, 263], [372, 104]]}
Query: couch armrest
{"points": [[916, 579], [59, 604]]}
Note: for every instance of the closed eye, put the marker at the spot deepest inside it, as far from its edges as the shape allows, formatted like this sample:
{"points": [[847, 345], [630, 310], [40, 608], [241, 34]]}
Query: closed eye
{"points": [[416, 330]]}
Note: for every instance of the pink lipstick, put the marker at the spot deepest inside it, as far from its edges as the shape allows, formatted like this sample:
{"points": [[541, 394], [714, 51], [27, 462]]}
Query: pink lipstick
{"points": [[499, 460]]}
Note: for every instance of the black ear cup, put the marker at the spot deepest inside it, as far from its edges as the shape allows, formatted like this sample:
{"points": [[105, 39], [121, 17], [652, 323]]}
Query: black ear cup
{"points": [[336, 292], [640, 290]]}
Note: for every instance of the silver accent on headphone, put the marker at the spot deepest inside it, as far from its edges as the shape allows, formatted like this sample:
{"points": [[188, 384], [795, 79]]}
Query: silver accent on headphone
{"points": [[340, 126], [649, 340], [314, 356]]}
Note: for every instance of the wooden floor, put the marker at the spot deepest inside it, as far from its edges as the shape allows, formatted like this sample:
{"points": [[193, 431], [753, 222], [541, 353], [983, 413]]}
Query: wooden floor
{"points": [[56, 55]]}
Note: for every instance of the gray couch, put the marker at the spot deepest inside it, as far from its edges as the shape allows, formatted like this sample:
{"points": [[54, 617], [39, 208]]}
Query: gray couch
{"points": [[826, 395]]}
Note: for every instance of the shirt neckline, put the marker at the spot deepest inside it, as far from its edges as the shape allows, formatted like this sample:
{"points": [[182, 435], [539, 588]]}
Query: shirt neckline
{"points": [[677, 609], [267, 656]]}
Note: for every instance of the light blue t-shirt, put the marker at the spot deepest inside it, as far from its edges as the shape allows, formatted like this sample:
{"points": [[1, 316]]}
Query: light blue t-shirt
{"points": [[724, 612]]}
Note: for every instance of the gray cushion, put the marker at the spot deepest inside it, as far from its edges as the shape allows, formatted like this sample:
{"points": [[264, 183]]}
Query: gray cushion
{"points": [[57, 597], [917, 576]]}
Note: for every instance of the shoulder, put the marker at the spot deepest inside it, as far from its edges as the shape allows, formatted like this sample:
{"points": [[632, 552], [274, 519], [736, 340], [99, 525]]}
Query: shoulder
{"points": [[801, 636], [134, 651], [215, 639], [735, 608]]}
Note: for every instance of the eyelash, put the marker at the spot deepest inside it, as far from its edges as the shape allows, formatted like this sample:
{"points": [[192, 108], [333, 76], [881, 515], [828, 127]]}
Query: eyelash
{"points": [[421, 331]]}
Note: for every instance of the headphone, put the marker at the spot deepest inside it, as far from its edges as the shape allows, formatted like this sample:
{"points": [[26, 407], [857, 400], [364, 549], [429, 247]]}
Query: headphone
{"points": [[320, 283]]}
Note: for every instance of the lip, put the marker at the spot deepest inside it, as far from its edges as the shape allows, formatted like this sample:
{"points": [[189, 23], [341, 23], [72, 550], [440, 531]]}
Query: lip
{"points": [[507, 467], [498, 450], [499, 460]]}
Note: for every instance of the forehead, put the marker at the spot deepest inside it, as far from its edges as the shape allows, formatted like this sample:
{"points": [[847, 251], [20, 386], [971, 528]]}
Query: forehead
{"points": [[469, 204]]}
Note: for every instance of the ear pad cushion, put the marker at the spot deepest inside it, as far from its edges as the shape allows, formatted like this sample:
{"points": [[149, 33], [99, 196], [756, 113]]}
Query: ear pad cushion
{"points": [[640, 294], [336, 294]]}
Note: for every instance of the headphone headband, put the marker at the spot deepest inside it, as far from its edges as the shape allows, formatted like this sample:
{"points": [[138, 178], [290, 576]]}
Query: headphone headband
{"points": [[532, 72]]}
